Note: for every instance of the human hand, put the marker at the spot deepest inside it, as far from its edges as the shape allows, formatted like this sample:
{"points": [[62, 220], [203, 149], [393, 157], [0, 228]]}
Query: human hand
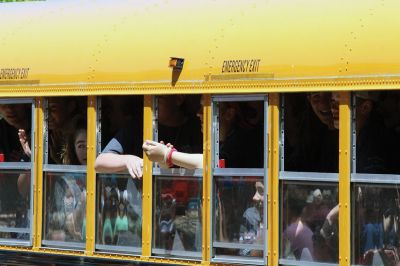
{"points": [[156, 152], [134, 165], [23, 139], [169, 145]]}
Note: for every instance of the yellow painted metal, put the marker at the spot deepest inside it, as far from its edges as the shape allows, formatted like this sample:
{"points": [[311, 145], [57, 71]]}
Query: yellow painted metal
{"points": [[344, 178], [147, 180], [91, 176], [207, 179], [302, 39], [273, 179], [202, 87], [38, 174]]}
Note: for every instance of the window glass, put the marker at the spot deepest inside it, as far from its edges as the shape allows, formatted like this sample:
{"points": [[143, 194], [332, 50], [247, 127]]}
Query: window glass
{"points": [[375, 224], [119, 196], [311, 122], [239, 162], [119, 215], [15, 189], [239, 216], [177, 214], [65, 213], [15, 204], [177, 196], [376, 131], [66, 130], [309, 221]]}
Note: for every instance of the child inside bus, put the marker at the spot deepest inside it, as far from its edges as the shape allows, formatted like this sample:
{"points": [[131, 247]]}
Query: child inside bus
{"points": [[233, 127], [175, 125], [312, 140], [59, 122]]}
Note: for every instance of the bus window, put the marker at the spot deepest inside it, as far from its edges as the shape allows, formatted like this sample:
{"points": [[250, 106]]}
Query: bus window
{"points": [[239, 216], [375, 184], [239, 160], [119, 196], [310, 135], [309, 177], [65, 144], [177, 191], [376, 122], [61, 113], [16, 167], [309, 224], [240, 134]]}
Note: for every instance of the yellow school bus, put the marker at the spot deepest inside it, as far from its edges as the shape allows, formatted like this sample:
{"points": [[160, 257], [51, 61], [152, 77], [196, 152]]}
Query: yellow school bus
{"points": [[295, 98]]}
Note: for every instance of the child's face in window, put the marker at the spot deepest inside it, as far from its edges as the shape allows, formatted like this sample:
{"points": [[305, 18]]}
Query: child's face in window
{"points": [[80, 146], [14, 114]]}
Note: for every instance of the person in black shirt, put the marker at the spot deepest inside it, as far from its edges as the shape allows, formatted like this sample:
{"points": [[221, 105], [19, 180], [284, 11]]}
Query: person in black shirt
{"points": [[124, 151]]}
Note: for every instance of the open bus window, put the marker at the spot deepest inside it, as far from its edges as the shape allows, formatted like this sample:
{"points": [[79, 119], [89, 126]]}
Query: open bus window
{"points": [[177, 191], [16, 169], [310, 133], [239, 216], [240, 137], [119, 196], [65, 142], [66, 130], [375, 134], [239, 163], [375, 167], [309, 224]]}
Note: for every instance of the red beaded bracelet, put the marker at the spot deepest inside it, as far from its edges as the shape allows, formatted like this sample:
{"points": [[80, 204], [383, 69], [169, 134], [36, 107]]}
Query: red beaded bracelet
{"points": [[169, 158]]}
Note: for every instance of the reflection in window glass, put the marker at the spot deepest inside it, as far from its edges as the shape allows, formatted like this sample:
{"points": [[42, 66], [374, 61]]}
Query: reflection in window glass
{"points": [[119, 210], [66, 123], [177, 214], [239, 121], [65, 207], [376, 212], [309, 221], [239, 215], [311, 132], [15, 204]]}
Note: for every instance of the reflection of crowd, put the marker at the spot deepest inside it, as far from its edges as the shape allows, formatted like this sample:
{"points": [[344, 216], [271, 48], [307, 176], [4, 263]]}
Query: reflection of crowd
{"points": [[310, 228], [377, 234], [120, 215]]}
